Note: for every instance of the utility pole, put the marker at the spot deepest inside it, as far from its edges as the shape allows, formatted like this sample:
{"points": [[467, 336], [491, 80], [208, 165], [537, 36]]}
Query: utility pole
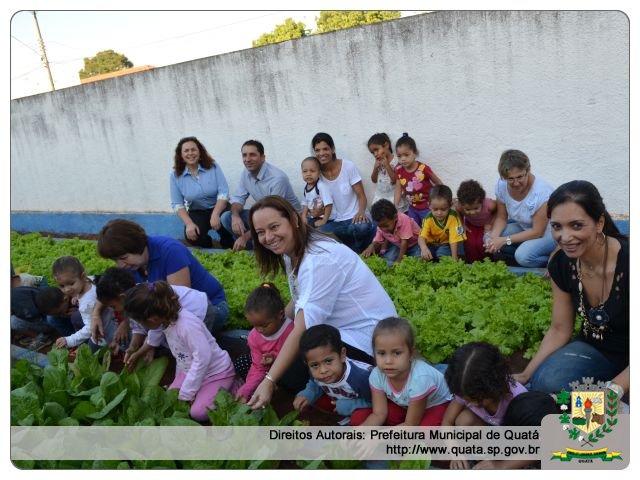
{"points": [[44, 52]]}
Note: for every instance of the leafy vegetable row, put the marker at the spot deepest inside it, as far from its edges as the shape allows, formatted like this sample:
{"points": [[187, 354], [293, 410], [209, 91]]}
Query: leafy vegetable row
{"points": [[449, 303]]}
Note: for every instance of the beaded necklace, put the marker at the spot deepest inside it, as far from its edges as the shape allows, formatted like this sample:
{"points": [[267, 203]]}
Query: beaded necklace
{"points": [[595, 321]]}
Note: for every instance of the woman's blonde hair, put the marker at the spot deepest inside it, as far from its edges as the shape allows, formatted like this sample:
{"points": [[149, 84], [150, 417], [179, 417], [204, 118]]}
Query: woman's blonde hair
{"points": [[511, 159]]}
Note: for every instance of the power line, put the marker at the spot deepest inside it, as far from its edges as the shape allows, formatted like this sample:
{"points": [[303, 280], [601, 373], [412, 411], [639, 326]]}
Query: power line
{"points": [[202, 31], [28, 46], [27, 73]]}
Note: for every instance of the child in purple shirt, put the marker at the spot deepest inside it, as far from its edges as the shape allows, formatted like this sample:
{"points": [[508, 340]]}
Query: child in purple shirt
{"points": [[202, 367], [480, 380]]}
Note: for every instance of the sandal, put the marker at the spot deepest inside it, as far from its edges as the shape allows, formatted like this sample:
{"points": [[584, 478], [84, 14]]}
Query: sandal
{"points": [[25, 341], [39, 342]]}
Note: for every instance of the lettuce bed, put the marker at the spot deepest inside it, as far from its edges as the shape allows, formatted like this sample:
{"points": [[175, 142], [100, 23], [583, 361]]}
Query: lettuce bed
{"points": [[449, 303]]}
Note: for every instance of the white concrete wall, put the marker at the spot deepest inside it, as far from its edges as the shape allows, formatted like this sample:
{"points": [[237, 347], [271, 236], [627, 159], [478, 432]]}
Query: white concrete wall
{"points": [[465, 85]]}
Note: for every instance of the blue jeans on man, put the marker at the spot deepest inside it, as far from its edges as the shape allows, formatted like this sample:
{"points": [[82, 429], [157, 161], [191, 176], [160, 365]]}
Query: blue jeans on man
{"points": [[226, 221]]}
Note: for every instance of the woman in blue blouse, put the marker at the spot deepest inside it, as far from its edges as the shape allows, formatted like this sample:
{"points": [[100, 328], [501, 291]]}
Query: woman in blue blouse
{"points": [[199, 193]]}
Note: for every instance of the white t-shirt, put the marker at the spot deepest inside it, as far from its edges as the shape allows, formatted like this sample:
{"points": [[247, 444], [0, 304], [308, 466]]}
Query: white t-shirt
{"points": [[86, 302], [345, 200], [522, 211], [384, 188], [316, 197], [335, 287]]}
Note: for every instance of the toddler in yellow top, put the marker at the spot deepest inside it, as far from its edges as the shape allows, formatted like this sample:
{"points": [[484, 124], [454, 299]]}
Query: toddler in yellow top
{"points": [[442, 230]]}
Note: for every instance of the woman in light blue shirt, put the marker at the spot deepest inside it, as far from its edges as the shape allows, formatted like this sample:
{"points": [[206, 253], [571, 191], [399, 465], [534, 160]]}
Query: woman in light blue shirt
{"points": [[199, 193]]}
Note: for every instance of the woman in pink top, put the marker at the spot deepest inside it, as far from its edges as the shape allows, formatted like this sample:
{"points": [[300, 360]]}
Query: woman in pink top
{"points": [[202, 367], [477, 212]]}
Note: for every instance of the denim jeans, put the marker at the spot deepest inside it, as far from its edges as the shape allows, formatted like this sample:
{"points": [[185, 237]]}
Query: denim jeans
{"points": [[62, 326], [570, 363], [444, 250], [392, 253], [226, 221], [38, 326], [530, 253], [356, 236], [216, 316], [66, 326]]}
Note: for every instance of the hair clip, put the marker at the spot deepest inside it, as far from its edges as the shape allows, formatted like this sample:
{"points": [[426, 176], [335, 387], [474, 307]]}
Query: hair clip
{"points": [[151, 286], [266, 285]]}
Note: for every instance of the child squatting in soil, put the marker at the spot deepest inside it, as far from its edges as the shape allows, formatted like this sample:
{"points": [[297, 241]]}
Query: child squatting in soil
{"points": [[202, 367], [337, 383]]}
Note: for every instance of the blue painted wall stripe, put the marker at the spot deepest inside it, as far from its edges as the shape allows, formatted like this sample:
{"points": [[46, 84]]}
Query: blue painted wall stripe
{"points": [[90, 223]]}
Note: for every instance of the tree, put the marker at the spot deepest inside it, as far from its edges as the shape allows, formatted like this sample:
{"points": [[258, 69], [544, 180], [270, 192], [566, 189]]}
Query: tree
{"points": [[331, 20], [288, 30], [104, 62]]}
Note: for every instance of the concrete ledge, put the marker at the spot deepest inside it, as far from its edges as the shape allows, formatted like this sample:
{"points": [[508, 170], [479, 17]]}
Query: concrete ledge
{"points": [[167, 224], [623, 226]]}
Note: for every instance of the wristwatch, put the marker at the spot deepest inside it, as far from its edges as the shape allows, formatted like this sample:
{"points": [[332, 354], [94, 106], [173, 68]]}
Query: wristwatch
{"points": [[509, 240]]}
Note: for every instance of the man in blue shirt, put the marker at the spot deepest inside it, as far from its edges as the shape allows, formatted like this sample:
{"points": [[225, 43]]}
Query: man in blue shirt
{"points": [[258, 180]]}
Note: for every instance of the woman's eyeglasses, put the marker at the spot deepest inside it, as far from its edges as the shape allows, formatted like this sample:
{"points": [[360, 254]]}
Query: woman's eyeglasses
{"points": [[518, 179]]}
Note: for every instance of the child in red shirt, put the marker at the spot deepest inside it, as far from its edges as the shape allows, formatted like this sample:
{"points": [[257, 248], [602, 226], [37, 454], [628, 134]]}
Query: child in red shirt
{"points": [[415, 179]]}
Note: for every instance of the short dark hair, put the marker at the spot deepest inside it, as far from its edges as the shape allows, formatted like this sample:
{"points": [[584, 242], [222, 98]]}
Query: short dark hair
{"points": [[479, 371], [119, 237], [254, 143], [529, 408], [383, 209], [311, 159], [470, 192], [265, 298], [441, 191], [113, 283], [48, 299], [320, 336]]}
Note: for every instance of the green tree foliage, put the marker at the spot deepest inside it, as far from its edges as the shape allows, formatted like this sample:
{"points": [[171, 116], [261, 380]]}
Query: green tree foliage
{"points": [[288, 30], [331, 20], [104, 62]]}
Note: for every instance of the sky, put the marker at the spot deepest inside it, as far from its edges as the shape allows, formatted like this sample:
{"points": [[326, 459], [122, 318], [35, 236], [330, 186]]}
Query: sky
{"points": [[154, 38]]}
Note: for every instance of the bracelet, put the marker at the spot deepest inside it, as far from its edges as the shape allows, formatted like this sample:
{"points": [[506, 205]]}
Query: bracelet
{"points": [[270, 378], [617, 389]]}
